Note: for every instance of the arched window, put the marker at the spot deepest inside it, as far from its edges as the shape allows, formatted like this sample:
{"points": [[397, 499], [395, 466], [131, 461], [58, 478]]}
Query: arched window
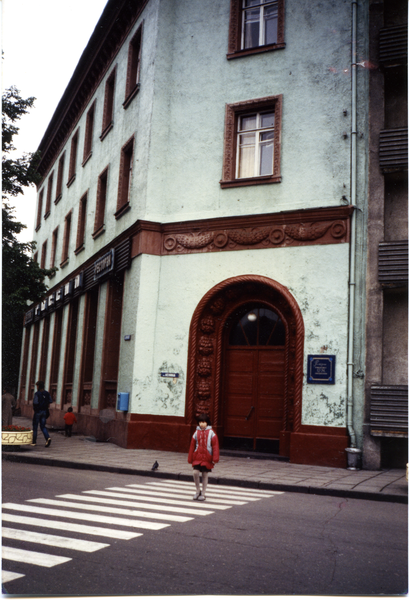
{"points": [[256, 325]]}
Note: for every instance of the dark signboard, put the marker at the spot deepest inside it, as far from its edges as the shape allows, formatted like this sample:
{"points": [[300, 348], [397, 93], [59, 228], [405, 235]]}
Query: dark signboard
{"points": [[321, 369], [104, 265]]}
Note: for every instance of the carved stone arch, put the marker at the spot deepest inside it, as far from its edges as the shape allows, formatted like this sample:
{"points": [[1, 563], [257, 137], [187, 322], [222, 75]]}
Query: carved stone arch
{"points": [[205, 353]]}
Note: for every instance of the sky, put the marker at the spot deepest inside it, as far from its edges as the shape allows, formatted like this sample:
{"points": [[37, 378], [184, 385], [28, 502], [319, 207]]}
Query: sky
{"points": [[42, 42]]}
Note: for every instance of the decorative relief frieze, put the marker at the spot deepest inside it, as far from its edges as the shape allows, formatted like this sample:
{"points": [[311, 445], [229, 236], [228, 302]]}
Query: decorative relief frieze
{"points": [[300, 233]]}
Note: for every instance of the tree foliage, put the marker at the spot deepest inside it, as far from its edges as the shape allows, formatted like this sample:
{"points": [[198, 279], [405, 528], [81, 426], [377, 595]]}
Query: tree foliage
{"points": [[22, 278]]}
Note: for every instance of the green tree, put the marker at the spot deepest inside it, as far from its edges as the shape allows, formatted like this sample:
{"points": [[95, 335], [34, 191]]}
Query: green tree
{"points": [[22, 278]]}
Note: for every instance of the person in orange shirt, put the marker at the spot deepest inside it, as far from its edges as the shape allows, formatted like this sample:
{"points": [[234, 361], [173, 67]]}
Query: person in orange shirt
{"points": [[69, 419]]}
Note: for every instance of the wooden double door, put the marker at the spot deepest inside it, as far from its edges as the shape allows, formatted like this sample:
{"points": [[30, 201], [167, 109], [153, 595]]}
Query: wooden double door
{"points": [[254, 380]]}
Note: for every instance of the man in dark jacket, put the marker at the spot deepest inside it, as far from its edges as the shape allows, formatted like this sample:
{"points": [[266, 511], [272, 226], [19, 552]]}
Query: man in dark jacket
{"points": [[41, 403]]}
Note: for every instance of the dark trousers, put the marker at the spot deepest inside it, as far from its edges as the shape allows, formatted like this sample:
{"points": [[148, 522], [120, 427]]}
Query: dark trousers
{"points": [[68, 430], [40, 419]]}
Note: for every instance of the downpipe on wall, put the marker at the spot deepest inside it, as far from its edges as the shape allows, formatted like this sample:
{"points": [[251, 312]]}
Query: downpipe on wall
{"points": [[353, 453]]}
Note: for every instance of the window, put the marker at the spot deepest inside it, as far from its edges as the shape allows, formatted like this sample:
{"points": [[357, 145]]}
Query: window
{"points": [[125, 178], [54, 248], [43, 254], [82, 215], [60, 178], [255, 26], [101, 201], [89, 130], [39, 209], [49, 191], [134, 61], [66, 240], [252, 142], [73, 158], [108, 117]]}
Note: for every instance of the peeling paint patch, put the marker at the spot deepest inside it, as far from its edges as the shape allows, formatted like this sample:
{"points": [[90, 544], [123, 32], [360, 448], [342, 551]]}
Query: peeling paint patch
{"points": [[169, 390]]}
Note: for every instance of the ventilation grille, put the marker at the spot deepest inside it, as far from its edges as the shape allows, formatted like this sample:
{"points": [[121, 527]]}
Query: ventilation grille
{"points": [[393, 263], [389, 409]]}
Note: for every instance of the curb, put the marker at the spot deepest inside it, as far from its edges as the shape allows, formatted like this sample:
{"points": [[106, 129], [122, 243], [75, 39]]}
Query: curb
{"points": [[278, 487]]}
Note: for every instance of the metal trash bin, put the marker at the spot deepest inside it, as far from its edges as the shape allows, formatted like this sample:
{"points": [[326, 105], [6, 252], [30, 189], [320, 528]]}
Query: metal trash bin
{"points": [[354, 459]]}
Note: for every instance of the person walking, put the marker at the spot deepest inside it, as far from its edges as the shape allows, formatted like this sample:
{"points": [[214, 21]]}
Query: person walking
{"points": [[69, 419], [8, 402], [41, 403], [203, 453]]}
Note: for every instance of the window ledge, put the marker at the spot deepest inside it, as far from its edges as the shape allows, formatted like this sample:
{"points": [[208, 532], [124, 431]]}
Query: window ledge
{"points": [[86, 159], [98, 232], [56, 201], [122, 210], [64, 263], [38, 227], [71, 180], [256, 50], [106, 131], [250, 181], [47, 214], [79, 249], [131, 96]]}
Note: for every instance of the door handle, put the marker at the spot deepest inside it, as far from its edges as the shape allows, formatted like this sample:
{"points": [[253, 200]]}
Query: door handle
{"points": [[251, 410]]}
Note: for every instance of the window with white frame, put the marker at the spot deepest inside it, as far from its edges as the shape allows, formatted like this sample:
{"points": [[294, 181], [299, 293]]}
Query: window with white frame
{"points": [[255, 145], [259, 23], [252, 142], [255, 26]]}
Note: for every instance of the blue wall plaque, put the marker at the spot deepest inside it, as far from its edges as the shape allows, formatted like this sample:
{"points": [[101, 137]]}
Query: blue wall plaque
{"points": [[321, 368]]}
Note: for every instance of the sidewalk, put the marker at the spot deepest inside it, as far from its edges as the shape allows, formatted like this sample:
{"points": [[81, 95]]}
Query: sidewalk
{"points": [[82, 452]]}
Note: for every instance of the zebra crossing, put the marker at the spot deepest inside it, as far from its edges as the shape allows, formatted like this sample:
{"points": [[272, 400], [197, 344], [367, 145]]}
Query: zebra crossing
{"points": [[113, 513]]}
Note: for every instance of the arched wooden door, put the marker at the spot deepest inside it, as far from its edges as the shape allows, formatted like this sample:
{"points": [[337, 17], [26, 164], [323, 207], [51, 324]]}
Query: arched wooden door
{"points": [[254, 379], [221, 364]]}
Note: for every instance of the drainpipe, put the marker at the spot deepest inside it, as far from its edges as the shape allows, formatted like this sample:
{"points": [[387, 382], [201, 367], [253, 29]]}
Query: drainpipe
{"points": [[350, 360]]}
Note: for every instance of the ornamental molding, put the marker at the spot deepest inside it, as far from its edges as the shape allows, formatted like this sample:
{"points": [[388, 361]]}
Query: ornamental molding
{"points": [[297, 228]]}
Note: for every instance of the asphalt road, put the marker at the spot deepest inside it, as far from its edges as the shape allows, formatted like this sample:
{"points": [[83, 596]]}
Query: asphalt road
{"points": [[248, 543]]}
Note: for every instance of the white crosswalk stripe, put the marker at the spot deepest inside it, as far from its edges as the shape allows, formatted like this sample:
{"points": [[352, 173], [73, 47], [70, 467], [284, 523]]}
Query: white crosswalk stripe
{"points": [[7, 576], [118, 511], [57, 541], [33, 558], [119, 502], [163, 498], [159, 491], [170, 501], [88, 517], [232, 490], [116, 534]]}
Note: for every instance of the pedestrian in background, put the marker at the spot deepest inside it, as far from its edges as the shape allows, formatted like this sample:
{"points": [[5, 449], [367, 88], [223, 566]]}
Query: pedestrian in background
{"points": [[69, 419], [203, 453], [8, 402], [41, 403]]}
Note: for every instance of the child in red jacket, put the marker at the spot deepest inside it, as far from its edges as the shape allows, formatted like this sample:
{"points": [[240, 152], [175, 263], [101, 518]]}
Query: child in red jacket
{"points": [[69, 419], [203, 453]]}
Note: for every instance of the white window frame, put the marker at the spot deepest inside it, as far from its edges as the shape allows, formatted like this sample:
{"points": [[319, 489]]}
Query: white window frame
{"points": [[261, 5], [258, 130]]}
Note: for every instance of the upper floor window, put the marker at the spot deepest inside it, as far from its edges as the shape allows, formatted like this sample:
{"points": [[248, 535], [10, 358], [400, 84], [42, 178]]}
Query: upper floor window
{"points": [[101, 201], [43, 254], [49, 192], [82, 216], [54, 248], [125, 178], [60, 176], [255, 26], [134, 62], [39, 209], [255, 144], [66, 239], [73, 158], [252, 142], [89, 130], [108, 116]]}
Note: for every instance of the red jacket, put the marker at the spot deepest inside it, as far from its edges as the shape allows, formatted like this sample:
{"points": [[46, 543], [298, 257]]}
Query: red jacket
{"points": [[70, 418], [204, 448]]}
